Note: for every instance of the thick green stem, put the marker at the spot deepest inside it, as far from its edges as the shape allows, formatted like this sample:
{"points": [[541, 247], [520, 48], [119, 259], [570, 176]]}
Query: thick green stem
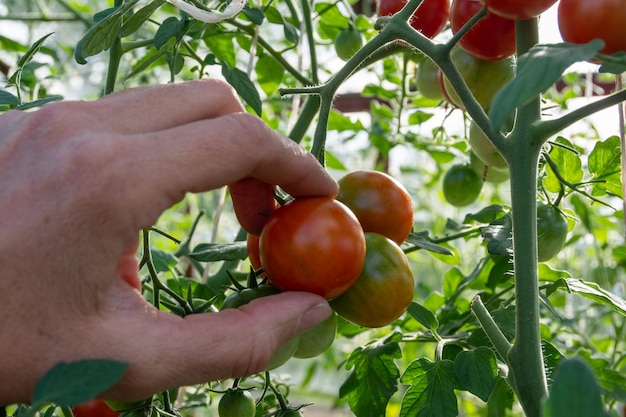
{"points": [[526, 357]]}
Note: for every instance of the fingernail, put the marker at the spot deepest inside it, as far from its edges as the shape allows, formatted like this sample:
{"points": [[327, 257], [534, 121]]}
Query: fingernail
{"points": [[313, 317]]}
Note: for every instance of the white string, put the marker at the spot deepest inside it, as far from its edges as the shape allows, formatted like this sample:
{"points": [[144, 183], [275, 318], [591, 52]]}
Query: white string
{"points": [[233, 9]]}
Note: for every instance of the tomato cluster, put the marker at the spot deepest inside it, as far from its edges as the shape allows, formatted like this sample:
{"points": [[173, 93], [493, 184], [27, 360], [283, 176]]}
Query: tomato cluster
{"points": [[345, 249]]}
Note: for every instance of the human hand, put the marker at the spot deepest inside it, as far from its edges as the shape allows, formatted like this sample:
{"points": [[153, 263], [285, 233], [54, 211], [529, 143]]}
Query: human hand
{"points": [[80, 180]]}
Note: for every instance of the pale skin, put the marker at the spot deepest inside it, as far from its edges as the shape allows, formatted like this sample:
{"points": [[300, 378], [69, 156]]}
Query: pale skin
{"points": [[80, 180]]}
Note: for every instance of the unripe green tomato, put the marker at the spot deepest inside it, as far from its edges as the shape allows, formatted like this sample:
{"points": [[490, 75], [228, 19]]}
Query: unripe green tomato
{"points": [[427, 80], [236, 403], [483, 78], [484, 149], [315, 341], [348, 42], [486, 172], [461, 185], [551, 231]]}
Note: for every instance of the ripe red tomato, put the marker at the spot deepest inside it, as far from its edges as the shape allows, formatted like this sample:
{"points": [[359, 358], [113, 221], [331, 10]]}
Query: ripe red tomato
{"points": [[93, 408], [379, 201], [580, 21], [516, 9], [313, 244], [491, 39], [430, 17], [384, 289], [252, 244]]}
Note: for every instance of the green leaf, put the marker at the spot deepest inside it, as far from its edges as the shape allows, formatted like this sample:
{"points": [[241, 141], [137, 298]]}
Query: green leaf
{"points": [[103, 34], [255, 15], [537, 70], [222, 46], [68, 384], [170, 28], [569, 166], [418, 117], [575, 391], [373, 367], [485, 215], [9, 99], [477, 371], [32, 51], [424, 316], [332, 162], [269, 74], [340, 122], [497, 235], [212, 252], [39, 103], [163, 261], [432, 389], [291, 32], [614, 64], [605, 165], [500, 400], [594, 292], [136, 20], [240, 81]]}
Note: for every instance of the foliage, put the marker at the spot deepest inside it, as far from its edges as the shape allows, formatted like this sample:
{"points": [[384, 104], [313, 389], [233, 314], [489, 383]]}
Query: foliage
{"points": [[466, 341]]}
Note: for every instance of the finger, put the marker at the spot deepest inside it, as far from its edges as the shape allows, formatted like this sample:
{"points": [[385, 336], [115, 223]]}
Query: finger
{"points": [[155, 170], [151, 109], [253, 201], [208, 347]]}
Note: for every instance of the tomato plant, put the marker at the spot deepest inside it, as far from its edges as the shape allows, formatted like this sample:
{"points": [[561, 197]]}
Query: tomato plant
{"points": [[379, 201], [93, 408], [515, 9], [461, 185], [492, 38], [313, 244], [483, 78], [317, 340], [348, 42], [236, 403], [429, 19], [384, 289], [551, 231], [581, 21]]}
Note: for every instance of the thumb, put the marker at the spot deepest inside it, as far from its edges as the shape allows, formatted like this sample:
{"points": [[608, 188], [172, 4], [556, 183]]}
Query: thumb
{"points": [[166, 351]]}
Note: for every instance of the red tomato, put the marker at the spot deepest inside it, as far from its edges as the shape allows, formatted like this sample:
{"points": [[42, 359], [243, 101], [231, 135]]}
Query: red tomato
{"points": [[430, 17], [491, 39], [252, 244], [517, 9], [581, 21], [93, 408], [380, 202], [313, 244]]}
